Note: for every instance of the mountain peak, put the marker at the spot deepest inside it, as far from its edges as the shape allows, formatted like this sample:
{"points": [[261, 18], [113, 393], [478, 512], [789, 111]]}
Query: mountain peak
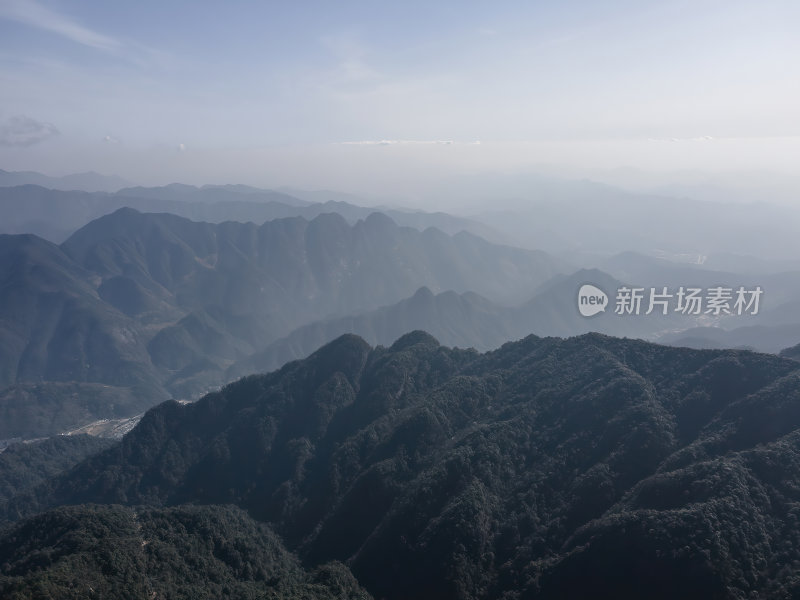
{"points": [[423, 293], [379, 220], [330, 218], [346, 354], [415, 338]]}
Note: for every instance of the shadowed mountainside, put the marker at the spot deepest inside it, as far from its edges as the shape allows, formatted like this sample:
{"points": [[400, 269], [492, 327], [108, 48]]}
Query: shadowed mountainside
{"points": [[187, 552], [24, 465], [550, 468]]}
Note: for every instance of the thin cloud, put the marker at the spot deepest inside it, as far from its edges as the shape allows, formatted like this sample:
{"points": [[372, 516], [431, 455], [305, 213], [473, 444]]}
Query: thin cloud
{"points": [[25, 131], [398, 142], [704, 138], [34, 14]]}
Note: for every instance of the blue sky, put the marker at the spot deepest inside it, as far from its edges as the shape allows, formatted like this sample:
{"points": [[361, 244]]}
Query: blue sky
{"points": [[259, 91]]}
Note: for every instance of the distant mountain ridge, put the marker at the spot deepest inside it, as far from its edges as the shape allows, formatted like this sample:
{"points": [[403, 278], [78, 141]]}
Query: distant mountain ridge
{"points": [[467, 320], [182, 307], [178, 192], [87, 182], [155, 305], [583, 220], [56, 214]]}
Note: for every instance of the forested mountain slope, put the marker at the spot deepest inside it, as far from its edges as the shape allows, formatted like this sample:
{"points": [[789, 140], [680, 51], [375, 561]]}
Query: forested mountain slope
{"points": [[550, 468]]}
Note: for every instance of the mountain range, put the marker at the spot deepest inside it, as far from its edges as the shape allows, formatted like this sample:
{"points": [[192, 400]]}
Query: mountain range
{"points": [[285, 436], [583, 221], [55, 214], [548, 468], [137, 307], [467, 320], [134, 308], [87, 182]]}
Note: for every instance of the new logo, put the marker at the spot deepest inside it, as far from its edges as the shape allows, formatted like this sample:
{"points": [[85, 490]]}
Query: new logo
{"points": [[591, 300]]}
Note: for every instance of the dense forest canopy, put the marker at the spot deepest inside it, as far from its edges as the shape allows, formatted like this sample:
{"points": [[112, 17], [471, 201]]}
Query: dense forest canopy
{"points": [[547, 468]]}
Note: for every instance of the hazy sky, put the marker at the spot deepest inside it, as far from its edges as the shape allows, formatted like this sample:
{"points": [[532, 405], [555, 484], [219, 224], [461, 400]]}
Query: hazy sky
{"points": [[302, 93]]}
